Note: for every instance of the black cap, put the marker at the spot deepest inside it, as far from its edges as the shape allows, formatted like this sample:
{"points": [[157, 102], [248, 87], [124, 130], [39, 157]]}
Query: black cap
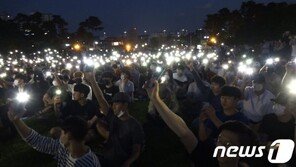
{"points": [[231, 91], [82, 88], [121, 97], [259, 78]]}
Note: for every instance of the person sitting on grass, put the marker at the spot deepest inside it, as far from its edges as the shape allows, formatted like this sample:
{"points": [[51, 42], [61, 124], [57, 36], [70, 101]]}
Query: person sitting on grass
{"points": [[70, 150], [231, 134], [124, 135]]}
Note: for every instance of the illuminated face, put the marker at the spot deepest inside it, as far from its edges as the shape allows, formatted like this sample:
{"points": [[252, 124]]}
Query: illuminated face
{"points": [[227, 138], [215, 87], [77, 95], [117, 107], [228, 102]]}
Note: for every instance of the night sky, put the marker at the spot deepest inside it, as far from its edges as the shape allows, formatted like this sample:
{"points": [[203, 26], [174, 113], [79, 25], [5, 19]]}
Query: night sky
{"points": [[121, 15]]}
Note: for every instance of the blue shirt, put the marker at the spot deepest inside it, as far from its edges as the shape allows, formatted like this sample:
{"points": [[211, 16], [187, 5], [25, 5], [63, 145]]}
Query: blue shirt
{"points": [[239, 116]]}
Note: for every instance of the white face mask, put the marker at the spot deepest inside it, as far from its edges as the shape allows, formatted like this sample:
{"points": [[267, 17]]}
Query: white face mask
{"points": [[122, 77], [120, 114], [258, 87], [167, 77], [16, 83], [278, 109], [55, 83]]}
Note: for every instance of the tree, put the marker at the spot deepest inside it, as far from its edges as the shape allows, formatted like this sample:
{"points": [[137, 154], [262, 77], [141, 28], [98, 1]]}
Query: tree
{"points": [[92, 23], [252, 23]]}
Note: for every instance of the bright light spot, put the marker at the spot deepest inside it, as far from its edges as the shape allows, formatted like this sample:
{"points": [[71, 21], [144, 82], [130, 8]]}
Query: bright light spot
{"points": [[205, 61], [68, 66], [58, 92], [158, 69], [225, 67], [269, 61], [22, 97], [291, 86]]}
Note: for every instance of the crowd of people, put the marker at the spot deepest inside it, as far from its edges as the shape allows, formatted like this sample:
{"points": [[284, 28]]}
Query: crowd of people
{"points": [[206, 104]]}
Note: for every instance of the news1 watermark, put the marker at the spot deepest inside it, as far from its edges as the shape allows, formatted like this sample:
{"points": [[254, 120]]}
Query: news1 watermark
{"points": [[280, 151]]}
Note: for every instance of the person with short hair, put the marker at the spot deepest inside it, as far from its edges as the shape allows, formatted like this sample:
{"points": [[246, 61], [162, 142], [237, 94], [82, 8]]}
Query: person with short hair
{"points": [[79, 106], [69, 149], [123, 133], [257, 100], [232, 134], [125, 84], [210, 119]]}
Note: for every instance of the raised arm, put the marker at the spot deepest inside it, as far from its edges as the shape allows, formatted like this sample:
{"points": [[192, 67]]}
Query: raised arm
{"points": [[40, 143], [197, 78], [175, 123], [98, 92]]}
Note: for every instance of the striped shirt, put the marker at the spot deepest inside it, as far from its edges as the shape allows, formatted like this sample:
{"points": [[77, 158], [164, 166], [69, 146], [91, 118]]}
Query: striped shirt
{"points": [[55, 147]]}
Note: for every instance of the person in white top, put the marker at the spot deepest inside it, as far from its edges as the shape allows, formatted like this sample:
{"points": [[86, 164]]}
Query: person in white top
{"points": [[257, 102]]}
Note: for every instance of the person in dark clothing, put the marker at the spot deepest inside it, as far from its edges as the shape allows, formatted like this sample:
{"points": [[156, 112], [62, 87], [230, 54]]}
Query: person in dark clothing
{"points": [[211, 94], [80, 106], [231, 134], [108, 87], [39, 88], [124, 135]]}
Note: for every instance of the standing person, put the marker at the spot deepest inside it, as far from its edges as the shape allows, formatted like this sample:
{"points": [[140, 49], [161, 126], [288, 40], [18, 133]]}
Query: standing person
{"points": [[124, 135], [70, 150]]}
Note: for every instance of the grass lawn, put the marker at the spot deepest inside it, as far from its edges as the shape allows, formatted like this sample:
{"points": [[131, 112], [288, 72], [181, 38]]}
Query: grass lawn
{"points": [[162, 146]]}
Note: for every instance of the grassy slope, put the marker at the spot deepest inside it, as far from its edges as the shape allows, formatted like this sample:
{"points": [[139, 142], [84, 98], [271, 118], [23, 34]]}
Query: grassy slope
{"points": [[162, 146]]}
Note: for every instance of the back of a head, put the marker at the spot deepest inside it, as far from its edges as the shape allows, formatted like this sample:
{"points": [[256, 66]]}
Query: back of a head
{"points": [[121, 97], [219, 80], [76, 126], [246, 136], [82, 88], [78, 74], [231, 91]]}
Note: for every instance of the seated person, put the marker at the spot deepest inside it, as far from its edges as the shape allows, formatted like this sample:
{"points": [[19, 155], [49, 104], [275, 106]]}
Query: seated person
{"points": [[80, 106], [124, 135], [234, 133], [69, 149], [108, 87], [257, 102], [210, 119]]}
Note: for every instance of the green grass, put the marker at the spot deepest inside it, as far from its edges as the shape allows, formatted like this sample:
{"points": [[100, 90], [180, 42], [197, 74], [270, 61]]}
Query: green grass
{"points": [[162, 147]]}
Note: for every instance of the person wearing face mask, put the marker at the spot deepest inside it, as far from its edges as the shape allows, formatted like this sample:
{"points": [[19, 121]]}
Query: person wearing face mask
{"points": [[78, 78], [48, 97], [68, 150], [280, 124], [124, 135], [125, 84], [257, 100]]}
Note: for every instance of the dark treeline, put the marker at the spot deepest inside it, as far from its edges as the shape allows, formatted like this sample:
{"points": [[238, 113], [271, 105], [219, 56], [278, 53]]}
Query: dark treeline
{"points": [[253, 22], [38, 30]]}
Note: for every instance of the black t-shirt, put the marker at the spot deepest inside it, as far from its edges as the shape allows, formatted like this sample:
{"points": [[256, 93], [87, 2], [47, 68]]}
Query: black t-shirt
{"points": [[73, 108], [122, 136], [202, 155], [109, 92]]}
